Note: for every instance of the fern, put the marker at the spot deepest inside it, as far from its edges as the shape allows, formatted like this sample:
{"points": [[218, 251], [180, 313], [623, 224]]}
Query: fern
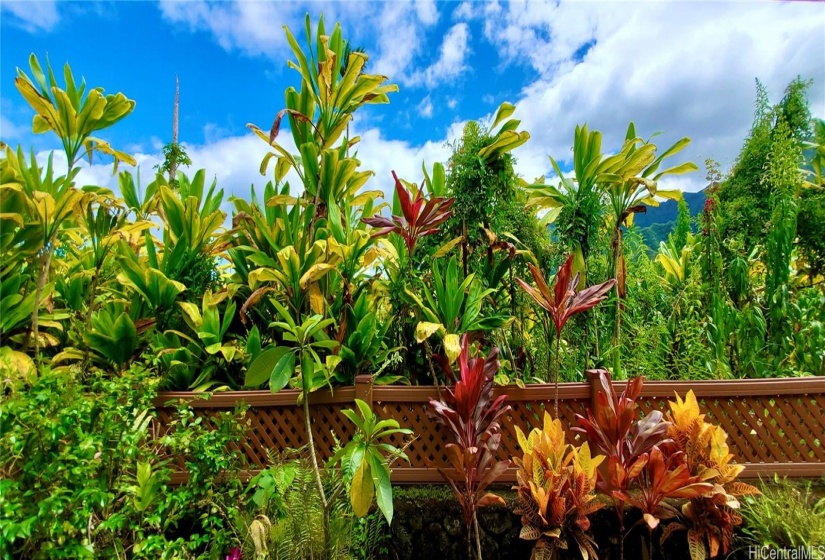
{"points": [[786, 515]]}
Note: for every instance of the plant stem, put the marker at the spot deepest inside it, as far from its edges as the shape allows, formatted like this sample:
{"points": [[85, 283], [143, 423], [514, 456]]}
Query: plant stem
{"points": [[556, 377], [42, 277], [432, 370], [549, 351], [318, 482], [478, 535], [617, 333]]}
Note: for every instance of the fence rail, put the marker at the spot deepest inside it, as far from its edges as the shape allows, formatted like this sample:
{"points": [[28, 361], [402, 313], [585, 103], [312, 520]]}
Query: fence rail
{"points": [[774, 426]]}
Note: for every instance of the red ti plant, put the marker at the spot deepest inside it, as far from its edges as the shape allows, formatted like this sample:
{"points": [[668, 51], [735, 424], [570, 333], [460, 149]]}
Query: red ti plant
{"points": [[662, 478], [471, 415], [563, 302], [615, 430], [420, 217], [659, 479]]}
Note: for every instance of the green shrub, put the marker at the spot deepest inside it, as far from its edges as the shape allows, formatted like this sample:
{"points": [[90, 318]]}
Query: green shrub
{"points": [[82, 478], [284, 501], [787, 514]]}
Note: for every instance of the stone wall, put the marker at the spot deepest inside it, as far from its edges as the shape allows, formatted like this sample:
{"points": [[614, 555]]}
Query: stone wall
{"points": [[428, 524]]}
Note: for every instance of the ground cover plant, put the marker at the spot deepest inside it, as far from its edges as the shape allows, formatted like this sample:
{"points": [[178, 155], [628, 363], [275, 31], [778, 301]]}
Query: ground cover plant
{"points": [[107, 298]]}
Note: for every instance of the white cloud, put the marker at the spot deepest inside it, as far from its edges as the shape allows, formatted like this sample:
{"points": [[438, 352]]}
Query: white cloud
{"points": [[251, 27], [427, 11], [32, 16], [425, 108], [669, 68], [395, 33], [464, 11], [452, 57], [401, 37], [452, 103], [9, 130]]}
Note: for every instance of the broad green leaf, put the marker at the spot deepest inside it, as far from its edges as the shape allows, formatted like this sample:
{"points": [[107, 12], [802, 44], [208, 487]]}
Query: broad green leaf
{"points": [[282, 373], [383, 487], [261, 368]]}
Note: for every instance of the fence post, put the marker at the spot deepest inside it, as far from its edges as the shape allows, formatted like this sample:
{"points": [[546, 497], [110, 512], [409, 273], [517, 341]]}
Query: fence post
{"points": [[592, 376], [363, 388]]}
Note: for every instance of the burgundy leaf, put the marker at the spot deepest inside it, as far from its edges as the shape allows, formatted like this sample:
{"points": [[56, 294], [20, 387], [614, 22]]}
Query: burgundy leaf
{"points": [[414, 222]]}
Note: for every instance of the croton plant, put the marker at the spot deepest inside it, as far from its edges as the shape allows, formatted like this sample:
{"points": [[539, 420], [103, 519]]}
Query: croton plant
{"points": [[556, 491]]}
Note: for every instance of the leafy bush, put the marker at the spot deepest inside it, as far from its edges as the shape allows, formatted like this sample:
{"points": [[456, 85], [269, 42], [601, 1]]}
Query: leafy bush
{"points": [[787, 514], [82, 477], [710, 519]]}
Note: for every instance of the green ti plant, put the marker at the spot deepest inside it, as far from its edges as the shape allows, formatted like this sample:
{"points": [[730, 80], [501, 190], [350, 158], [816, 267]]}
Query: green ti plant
{"points": [[575, 206], [311, 248], [631, 185], [454, 310]]}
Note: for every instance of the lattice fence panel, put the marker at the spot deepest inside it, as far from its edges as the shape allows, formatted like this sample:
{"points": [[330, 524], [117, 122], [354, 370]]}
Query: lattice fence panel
{"points": [[764, 429], [767, 430]]}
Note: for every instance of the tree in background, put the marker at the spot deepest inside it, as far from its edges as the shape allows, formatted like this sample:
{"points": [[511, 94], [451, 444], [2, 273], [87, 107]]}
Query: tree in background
{"points": [[683, 225], [745, 199], [174, 154], [810, 227]]}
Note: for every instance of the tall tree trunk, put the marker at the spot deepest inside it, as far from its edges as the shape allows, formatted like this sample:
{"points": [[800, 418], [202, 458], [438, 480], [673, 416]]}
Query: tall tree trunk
{"points": [[173, 168]]}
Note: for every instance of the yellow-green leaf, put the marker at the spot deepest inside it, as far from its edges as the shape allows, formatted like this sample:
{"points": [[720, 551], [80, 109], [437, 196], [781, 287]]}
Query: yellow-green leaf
{"points": [[425, 330], [362, 490], [452, 347]]}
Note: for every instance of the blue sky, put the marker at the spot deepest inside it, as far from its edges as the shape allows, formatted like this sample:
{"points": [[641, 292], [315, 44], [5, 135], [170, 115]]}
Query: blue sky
{"points": [[682, 68]]}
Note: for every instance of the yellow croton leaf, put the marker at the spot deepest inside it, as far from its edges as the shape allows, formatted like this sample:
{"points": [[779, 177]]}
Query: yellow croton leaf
{"points": [[425, 330], [553, 429], [719, 450], [685, 411], [523, 442], [585, 463], [452, 347]]}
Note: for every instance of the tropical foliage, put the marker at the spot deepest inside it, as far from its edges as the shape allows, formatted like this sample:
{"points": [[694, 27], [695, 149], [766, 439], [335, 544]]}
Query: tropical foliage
{"points": [[313, 280]]}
